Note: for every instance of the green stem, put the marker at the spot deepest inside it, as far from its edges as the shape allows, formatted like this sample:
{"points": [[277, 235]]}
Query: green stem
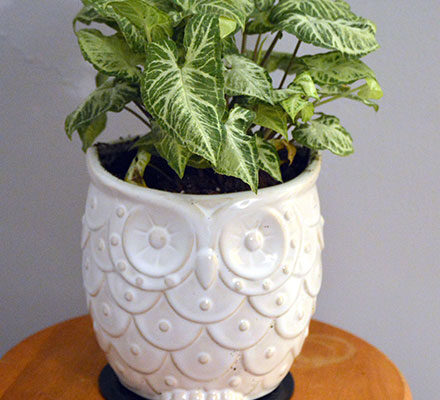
{"points": [[257, 45], [137, 116], [243, 43], [270, 49], [292, 60]]}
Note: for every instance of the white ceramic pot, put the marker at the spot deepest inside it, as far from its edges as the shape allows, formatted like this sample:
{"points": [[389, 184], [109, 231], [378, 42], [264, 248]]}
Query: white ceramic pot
{"points": [[198, 297]]}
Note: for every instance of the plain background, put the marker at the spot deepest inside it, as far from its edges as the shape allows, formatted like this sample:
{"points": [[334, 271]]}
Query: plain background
{"points": [[381, 205]]}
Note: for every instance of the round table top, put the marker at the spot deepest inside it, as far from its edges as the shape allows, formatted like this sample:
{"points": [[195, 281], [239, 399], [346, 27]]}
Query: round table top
{"points": [[63, 362]]}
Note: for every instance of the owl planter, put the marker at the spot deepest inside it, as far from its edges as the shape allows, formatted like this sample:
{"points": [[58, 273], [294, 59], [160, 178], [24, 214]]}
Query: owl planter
{"points": [[201, 296]]}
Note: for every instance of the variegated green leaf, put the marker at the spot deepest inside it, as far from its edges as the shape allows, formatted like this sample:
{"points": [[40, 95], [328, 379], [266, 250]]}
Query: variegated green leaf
{"points": [[171, 150], [326, 23], [108, 97], [243, 77], [88, 134], [229, 46], [135, 38], [306, 83], [294, 105], [227, 26], [145, 16], [371, 90], [333, 68], [325, 133], [88, 15], [263, 5], [239, 155], [268, 158], [135, 173], [343, 91], [238, 10], [260, 23], [109, 54], [272, 117], [188, 100]]}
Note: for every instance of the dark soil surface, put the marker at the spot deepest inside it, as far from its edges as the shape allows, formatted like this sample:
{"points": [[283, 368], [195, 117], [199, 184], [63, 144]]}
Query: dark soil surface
{"points": [[116, 158]]}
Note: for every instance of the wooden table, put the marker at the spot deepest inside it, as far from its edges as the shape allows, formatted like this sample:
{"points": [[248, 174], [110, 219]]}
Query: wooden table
{"points": [[63, 362]]}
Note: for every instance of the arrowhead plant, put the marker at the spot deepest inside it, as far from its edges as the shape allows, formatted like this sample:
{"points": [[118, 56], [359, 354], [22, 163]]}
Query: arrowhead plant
{"points": [[210, 102]]}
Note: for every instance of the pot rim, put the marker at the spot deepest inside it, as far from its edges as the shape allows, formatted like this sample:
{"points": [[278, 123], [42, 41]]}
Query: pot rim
{"points": [[99, 175]]}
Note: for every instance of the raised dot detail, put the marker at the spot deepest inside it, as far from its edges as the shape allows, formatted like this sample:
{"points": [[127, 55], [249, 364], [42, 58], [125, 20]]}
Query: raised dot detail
{"points": [[288, 215], [267, 285], [114, 240], [205, 304], [204, 358], [122, 266], [139, 281], [292, 244], [196, 395], [157, 239], [235, 381], [128, 296], [254, 240], [244, 325], [120, 212], [238, 285], [135, 350], [105, 309], [270, 351], [286, 270], [308, 248], [101, 245], [164, 326], [280, 300], [170, 381], [170, 281]]}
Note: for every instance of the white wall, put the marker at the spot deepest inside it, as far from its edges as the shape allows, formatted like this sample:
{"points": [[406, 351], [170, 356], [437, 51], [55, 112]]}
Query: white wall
{"points": [[381, 204]]}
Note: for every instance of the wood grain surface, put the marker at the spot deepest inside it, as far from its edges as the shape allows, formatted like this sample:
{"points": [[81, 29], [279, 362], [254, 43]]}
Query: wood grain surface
{"points": [[63, 362]]}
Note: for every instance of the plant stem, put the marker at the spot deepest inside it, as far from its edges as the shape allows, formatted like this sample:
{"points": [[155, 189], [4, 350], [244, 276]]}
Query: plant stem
{"points": [[256, 47], [270, 49], [243, 43], [137, 116], [292, 60]]}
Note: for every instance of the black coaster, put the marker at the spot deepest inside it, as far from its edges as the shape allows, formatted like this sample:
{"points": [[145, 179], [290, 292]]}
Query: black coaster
{"points": [[112, 389]]}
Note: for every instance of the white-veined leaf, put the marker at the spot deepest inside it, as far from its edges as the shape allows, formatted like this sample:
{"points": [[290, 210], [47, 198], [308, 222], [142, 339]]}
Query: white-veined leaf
{"points": [[88, 15], [239, 155], [188, 100], [238, 10], [171, 150], [333, 68], [109, 96], [272, 117], [243, 77], [227, 26], [326, 23], [325, 133], [306, 83], [109, 54], [263, 5], [135, 38], [268, 158], [88, 134], [145, 16], [294, 105], [260, 23], [371, 90]]}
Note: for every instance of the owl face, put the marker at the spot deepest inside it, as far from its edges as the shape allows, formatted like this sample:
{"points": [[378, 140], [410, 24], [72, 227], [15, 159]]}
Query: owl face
{"points": [[201, 296]]}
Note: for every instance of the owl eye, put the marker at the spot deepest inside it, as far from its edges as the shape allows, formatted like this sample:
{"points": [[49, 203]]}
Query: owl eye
{"points": [[253, 245], [158, 241]]}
